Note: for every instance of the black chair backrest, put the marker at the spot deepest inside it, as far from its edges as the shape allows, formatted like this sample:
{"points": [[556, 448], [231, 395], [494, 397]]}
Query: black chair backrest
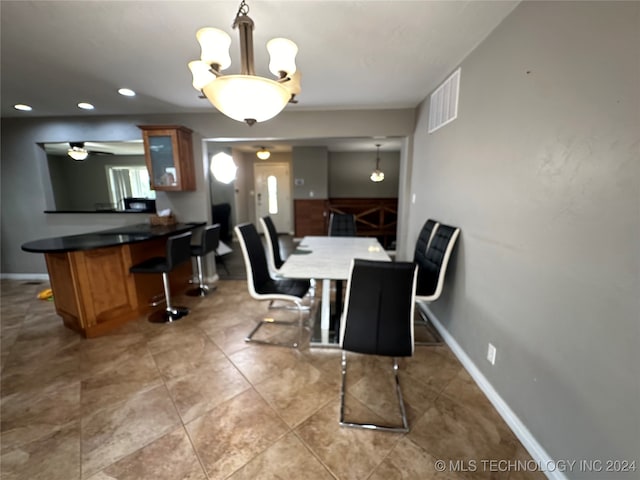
{"points": [[431, 272], [275, 245], [178, 249], [210, 239], [221, 213], [379, 308], [342, 225], [256, 256], [427, 232]]}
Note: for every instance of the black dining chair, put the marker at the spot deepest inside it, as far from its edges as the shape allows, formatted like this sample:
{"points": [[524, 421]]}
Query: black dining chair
{"points": [[432, 268], [420, 258], [274, 258], [342, 225], [262, 286], [209, 240], [178, 251], [378, 320]]}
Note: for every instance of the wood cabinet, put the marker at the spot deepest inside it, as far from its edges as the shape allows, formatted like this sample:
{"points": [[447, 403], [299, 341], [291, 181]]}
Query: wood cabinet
{"points": [[168, 152], [94, 292]]}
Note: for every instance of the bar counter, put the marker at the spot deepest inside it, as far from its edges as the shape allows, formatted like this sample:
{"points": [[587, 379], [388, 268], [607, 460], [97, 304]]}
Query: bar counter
{"points": [[92, 288]]}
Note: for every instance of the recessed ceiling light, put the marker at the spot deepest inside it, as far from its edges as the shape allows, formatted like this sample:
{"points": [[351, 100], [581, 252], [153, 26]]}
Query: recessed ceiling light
{"points": [[85, 106], [127, 92], [23, 107]]}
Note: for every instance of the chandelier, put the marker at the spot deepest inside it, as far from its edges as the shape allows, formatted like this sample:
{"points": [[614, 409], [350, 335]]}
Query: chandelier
{"points": [[245, 97], [377, 175]]}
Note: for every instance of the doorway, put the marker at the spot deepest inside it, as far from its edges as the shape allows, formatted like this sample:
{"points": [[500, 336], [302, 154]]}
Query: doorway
{"points": [[273, 194]]}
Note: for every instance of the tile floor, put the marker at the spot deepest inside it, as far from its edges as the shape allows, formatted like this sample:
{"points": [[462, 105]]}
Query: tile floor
{"points": [[192, 401]]}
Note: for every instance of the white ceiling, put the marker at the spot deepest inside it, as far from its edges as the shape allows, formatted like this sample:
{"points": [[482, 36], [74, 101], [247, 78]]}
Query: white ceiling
{"points": [[352, 55]]}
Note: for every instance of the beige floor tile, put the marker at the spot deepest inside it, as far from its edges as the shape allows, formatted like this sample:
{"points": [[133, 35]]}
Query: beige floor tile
{"points": [[348, 453], [260, 362], [54, 368], [252, 411], [181, 354], [99, 353], [170, 457], [449, 431], [53, 456], [433, 366], [120, 429], [205, 388], [119, 380], [407, 461], [233, 433], [288, 458], [230, 339], [27, 417], [297, 391]]}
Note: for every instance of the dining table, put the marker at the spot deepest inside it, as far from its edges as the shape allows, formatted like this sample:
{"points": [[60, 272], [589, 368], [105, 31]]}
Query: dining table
{"points": [[328, 259]]}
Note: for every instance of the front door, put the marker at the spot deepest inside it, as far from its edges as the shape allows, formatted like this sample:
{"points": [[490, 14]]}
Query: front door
{"points": [[273, 194]]}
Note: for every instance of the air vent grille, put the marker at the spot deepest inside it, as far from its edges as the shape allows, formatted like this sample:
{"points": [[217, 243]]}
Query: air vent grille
{"points": [[443, 104]]}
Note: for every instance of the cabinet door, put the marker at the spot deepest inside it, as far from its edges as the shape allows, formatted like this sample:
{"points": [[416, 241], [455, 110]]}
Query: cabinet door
{"points": [[169, 157], [162, 157]]}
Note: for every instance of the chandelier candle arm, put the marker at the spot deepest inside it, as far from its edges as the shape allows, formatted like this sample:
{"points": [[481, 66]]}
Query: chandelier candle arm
{"points": [[246, 97]]}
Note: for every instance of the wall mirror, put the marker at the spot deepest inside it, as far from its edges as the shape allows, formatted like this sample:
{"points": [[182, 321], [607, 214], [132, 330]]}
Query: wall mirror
{"points": [[101, 177]]}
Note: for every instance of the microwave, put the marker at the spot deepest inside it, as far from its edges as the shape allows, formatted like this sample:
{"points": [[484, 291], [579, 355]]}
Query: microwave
{"points": [[145, 205]]}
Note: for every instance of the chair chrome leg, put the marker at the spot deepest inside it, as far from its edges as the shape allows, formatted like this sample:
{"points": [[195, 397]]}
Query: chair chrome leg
{"points": [[201, 290], [372, 426], [426, 323], [271, 321]]}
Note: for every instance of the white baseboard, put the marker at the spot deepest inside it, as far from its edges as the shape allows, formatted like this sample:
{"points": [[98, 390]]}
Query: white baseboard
{"points": [[25, 276], [520, 430]]}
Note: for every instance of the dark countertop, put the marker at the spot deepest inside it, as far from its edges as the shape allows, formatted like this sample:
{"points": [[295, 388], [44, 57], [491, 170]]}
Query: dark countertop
{"points": [[107, 238]]}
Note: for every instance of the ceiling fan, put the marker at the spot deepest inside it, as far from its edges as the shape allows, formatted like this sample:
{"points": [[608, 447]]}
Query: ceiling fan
{"points": [[79, 152]]}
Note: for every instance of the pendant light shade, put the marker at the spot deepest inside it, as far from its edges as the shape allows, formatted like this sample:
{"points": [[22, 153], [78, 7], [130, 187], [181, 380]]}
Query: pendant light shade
{"points": [[263, 154]]}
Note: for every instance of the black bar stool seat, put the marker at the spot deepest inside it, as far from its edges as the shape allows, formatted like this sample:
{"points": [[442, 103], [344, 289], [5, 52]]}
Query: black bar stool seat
{"points": [[178, 251], [208, 243]]}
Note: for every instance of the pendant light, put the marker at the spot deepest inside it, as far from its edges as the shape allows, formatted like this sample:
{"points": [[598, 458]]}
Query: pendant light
{"points": [[377, 175]]}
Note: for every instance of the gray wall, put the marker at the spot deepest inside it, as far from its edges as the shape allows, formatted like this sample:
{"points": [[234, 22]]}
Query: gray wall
{"points": [[541, 171], [310, 166], [26, 189], [349, 174]]}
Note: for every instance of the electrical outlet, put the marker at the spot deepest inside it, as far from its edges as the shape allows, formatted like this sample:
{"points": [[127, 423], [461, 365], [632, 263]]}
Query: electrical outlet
{"points": [[413, 198], [491, 354]]}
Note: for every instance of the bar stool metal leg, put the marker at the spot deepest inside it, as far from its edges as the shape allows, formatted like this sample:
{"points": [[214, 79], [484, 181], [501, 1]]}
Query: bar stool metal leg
{"points": [[201, 290], [170, 313]]}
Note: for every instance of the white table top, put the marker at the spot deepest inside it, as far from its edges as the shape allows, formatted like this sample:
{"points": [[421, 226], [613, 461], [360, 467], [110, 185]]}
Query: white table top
{"points": [[330, 257]]}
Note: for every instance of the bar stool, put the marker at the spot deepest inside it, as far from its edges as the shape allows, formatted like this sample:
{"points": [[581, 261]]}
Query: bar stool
{"points": [[178, 251], [208, 243]]}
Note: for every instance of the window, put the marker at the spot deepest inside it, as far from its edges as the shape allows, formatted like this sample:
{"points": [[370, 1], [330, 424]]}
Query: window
{"points": [[128, 181], [272, 190]]}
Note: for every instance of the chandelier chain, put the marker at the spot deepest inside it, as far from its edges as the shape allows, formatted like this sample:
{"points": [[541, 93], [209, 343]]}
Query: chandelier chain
{"points": [[243, 10]]}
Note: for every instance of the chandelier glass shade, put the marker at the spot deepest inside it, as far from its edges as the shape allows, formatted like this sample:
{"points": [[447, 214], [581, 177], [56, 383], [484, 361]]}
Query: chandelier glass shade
{"points": [[245, 97], [263, 154], [377, 175]]}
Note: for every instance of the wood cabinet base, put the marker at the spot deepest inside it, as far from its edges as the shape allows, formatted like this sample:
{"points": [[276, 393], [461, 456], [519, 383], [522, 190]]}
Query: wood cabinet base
{"points": [[94, 292]]}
